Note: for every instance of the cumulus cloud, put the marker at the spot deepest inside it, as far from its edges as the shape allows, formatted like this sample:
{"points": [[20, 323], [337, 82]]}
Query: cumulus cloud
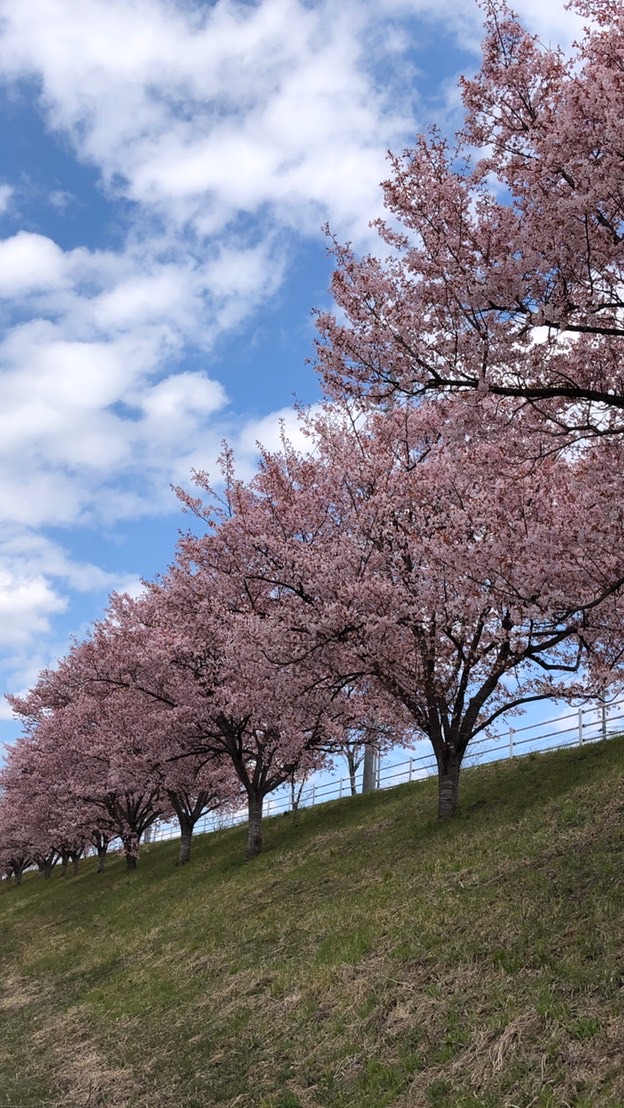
{"points": [[29, 263], [177, 406], [203, 112], [97, 413], [229, 130], [37, 577], [26, 603]]}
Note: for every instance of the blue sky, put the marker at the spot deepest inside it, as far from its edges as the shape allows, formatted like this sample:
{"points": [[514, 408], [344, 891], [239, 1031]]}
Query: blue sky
{"points": [[165, 172]]}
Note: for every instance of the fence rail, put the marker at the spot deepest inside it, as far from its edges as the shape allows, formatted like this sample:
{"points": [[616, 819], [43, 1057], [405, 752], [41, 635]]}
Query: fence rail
{"points": [[582, 725]]}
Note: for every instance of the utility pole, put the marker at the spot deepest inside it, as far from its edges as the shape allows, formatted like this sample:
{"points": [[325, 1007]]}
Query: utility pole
{"points": [[371, 768]]}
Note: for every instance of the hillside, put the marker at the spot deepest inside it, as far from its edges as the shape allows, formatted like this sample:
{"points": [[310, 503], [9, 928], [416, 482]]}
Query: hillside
{"points": [[368, 958]]}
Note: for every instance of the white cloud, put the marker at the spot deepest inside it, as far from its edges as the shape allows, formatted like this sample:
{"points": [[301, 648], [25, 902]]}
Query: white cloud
{"points": [[234, 129], [90, 391], [268, 432], [551, 21], [60, 199], [206, 112], [26, 603], [35, 555], [6, 195], [29, 263], [39, 580], [176, 407], [142, 298]]}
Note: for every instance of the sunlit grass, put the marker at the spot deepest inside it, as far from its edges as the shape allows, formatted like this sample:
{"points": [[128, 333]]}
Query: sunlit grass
{"points": [[368, 958]]}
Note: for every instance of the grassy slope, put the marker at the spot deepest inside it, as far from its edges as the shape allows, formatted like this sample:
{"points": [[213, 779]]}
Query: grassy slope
{"points": [[369, 958]]}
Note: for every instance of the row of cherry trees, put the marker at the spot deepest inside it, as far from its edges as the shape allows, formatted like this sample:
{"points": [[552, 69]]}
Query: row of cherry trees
{"points": [[449, 546]]}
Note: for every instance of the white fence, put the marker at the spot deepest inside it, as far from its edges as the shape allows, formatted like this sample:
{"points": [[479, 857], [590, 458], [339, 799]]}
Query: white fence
{"points": [[582, 725]]}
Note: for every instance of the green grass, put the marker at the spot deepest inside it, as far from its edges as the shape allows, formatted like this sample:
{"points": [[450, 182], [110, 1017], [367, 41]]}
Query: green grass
{"points": [[368, 958]]}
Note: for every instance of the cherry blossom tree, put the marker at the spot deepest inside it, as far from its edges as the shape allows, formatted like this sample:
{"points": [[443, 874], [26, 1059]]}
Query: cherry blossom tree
{"points": [[430, 563], [246, 719], [503, 286], [52, 828], [171, 689], [15, 851], [506, 266], [93, 743], [153, 707], [130, 659]]}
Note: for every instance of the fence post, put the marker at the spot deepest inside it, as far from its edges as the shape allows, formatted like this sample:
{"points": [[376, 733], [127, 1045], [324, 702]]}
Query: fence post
{"points": [[340, 789], [603, 720], [511, 735], [410, 770], [580, 726]]}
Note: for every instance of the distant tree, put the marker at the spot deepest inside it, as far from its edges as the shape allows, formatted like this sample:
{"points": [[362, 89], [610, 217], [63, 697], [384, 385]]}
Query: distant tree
{"points": [[354, 751], [53, 827], [92, 742], [361, 750], [15, 851]]}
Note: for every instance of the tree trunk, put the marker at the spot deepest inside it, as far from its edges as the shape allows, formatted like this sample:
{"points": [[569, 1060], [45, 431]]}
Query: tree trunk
{"points": [[75, 866], [18, 876], [296, 792], [448, 788], [186, 835], [254, 833], [101, 853], [47, 871], [131, 850], [352, 773]]}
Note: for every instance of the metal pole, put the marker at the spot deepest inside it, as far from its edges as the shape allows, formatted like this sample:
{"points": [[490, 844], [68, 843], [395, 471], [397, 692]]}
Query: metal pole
{"points": [[511, 744], [580, 726]]}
